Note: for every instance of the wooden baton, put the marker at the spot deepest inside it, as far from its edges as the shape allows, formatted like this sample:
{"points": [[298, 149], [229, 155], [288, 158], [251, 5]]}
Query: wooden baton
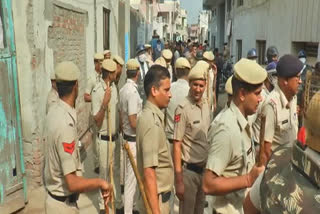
{"points": [[136, 173], [262, 155], [110, 157]]}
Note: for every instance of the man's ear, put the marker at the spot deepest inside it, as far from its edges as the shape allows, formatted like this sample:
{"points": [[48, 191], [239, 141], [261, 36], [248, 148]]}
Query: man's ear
{"points": [[242, 94], [154, 91]]}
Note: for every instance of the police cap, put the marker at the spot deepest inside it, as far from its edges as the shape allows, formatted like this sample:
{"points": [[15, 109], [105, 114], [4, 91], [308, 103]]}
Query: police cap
{"points": [[198, 72], [208, 55], [167, 54], [289, 66], [118, 60], [67, 71], [249, 71], [133, 65], [182, 63], [109, 65]]}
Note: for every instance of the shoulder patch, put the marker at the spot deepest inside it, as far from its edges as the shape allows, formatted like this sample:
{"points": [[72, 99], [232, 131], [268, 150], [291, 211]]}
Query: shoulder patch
{"points": [[177, 118], [69, 147]]}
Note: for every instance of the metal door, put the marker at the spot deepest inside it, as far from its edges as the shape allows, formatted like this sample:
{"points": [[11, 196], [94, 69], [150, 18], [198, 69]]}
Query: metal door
{"points": [[12, 173]]}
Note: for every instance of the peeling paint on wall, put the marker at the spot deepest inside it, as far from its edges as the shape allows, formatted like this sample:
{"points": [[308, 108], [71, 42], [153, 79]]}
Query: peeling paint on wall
{"points": [[3, 126]]}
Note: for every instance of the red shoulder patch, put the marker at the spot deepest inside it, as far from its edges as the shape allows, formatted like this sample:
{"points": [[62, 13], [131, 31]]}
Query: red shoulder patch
{"points": [[69, 147], [177, 118]]}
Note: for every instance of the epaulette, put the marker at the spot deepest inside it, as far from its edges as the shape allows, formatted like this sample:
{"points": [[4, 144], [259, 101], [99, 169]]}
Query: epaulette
{"points": [[183, 103], [273, 103]]}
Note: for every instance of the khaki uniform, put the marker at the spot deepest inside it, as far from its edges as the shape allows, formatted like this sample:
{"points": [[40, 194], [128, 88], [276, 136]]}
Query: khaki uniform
{"points": [[53, 98], [93, 80], [231, 154], [209, 98], [62, 156], [153, 151], [191, 127], [103, 133], [130, 104], [281, 118], [179, 91]]}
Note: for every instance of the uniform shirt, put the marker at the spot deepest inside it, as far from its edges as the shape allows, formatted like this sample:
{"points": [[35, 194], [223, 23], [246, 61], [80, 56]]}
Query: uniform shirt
{"points": [[231, 154], [93, 80], [130, 104], [97, 99], [62, 154], [53, 98], [281, 118], [191, 126], [256, 118], [153, 148], [179, 90]]}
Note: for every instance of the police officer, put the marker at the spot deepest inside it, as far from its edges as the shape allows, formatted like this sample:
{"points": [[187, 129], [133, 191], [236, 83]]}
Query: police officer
{"points": [[161, 61], [131, 107], [153, 153], [192, 120], [280, 107], [167, 55], [179, 91], [95, 77], [104, 95], [272, 54], [252, 54], [144, 67], [208, 56], [107, 54], [231, 168], [62, 172], [53, 96], [117, 59], [289, 185]]}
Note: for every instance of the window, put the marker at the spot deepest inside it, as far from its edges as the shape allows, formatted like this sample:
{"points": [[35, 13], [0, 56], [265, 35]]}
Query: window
{"points": [[261, 51], [106, 29], [240, 3], [239, 49], [229, 6]]}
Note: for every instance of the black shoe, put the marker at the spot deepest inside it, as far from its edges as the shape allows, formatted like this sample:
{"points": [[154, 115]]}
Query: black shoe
{"points": [[97, 170]]}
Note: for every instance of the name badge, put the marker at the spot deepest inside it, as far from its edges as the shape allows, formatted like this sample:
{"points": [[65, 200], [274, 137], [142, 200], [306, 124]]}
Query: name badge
{"points": [[285, 121], [249, 151], [196, 122]]}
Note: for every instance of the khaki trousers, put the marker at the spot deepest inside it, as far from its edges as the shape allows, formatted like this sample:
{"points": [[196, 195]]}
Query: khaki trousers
{"points": [[52, 206], [194, 197]]}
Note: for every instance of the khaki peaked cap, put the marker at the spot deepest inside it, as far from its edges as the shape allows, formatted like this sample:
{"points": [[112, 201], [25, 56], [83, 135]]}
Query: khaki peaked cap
{"points": [[249, 71], [98, 56], [133, 65], [198, 72], [109, 65], [67, 71], [204, 64], [228, 86], [182, 62], [208, 55], [161, 61], [167, 54], [118, 60]]}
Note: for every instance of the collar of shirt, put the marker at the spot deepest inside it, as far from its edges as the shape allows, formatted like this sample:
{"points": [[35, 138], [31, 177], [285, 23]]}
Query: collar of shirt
{"points": [[194, 104], [104, 85], [242, 121], [71, 111], [283, 99], [130, 81], [155, 110]]}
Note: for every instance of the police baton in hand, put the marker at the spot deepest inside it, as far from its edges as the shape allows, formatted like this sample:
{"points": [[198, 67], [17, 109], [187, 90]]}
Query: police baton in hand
{"points": [[136, 173], [262, 154], [110, 154]]}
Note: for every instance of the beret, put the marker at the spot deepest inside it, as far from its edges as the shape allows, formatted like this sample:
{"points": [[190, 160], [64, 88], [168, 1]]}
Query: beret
{"points": [[133, 64], [289, 66], [67, 71], [109, 65], [249, 71]]}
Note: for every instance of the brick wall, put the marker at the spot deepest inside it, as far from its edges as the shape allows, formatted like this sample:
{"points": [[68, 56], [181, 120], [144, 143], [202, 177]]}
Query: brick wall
{"points": [[67, 38]]}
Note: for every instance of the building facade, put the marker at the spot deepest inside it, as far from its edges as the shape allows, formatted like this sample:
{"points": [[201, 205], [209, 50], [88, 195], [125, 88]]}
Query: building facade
{"points": [[290, 25]]}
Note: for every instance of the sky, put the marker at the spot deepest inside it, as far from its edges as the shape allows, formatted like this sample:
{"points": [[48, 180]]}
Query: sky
{"points": [[193, 8]]}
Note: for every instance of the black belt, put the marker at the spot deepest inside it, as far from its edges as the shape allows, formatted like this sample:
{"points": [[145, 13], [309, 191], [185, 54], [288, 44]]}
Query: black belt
{"points": [[165, 196], [170, 141], [71, 198], [193, 167], [129, 138], [106, 137]]}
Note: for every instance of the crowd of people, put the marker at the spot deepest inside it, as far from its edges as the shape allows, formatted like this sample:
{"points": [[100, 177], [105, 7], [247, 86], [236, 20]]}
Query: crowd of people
{"points": [[182, 147]]}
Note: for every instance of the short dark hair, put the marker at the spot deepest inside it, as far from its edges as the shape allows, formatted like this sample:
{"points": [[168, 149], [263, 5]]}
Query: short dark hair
{"points": [[238, 84], [104, 73], [65, 87], [180, 72], [153, 77], [132, 73]]}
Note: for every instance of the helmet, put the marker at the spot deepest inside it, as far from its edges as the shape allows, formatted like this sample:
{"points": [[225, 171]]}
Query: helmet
{"points": [[271, 68], [252, 54], [139, 49], [272, 51], [302, 54], [199, 55]]}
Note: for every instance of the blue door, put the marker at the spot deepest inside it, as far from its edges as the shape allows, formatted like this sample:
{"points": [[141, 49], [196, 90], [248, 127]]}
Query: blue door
{"points": [[12, 172]]}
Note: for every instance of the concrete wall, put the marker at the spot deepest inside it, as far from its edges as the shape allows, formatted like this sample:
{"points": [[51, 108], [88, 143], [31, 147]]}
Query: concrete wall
{"points": [[48, 32]]}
